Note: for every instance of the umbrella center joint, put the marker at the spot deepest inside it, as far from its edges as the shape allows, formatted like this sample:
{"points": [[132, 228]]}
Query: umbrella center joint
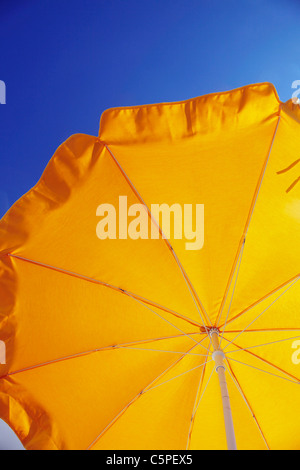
{"points": [[218, 354], [213, 331]]}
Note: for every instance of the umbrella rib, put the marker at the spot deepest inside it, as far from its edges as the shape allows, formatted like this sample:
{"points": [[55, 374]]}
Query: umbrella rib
{"points": [[86, 353], [261, 345], [176, 376], [162, 350], [200, 400], [191, 289], [167, 321], [113, 421], [261, 299], [267, 362], [239, 387], [105, 284], [266, 372], [233, 291], [195, 407], [258, 316], [260, 330], [213, 370], [249, 218]]}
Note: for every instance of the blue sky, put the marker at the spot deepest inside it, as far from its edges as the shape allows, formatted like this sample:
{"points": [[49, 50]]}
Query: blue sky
{"points": [[64, 62]]}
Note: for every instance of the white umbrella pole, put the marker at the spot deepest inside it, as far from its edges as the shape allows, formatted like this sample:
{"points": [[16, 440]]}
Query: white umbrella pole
{"points": [[219, 357]]}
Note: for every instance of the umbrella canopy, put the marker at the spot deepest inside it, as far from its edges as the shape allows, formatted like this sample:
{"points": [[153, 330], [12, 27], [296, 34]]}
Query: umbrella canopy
{"points": [[109, 337]]}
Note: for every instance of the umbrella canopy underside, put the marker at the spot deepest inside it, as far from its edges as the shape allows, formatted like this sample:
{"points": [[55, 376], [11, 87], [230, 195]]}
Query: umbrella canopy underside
{"points": [[107, 343]]}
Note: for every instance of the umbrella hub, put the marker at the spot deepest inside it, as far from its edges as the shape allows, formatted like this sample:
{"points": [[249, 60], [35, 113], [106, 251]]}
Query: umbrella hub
{"points": [[213, 330], [218, 354]]}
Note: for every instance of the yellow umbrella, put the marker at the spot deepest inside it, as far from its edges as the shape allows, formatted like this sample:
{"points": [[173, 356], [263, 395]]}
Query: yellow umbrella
{"points": [[117, 339]]}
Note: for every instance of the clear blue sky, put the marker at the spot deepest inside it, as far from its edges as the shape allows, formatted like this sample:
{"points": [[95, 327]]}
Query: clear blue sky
{"points": [[65, 61]]}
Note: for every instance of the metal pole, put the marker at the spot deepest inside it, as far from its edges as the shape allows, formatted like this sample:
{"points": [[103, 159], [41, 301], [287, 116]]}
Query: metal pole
{"points": [[219, 356]]}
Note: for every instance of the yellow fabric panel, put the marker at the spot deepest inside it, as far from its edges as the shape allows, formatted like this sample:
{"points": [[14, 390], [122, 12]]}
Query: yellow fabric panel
{"points": [[203, 115], [208, 432], [277, 352], [72, 316], [84, 394], [271, 256], [275, 402], [81, 176], [212, 150], [169, 406], [278, 310]]}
